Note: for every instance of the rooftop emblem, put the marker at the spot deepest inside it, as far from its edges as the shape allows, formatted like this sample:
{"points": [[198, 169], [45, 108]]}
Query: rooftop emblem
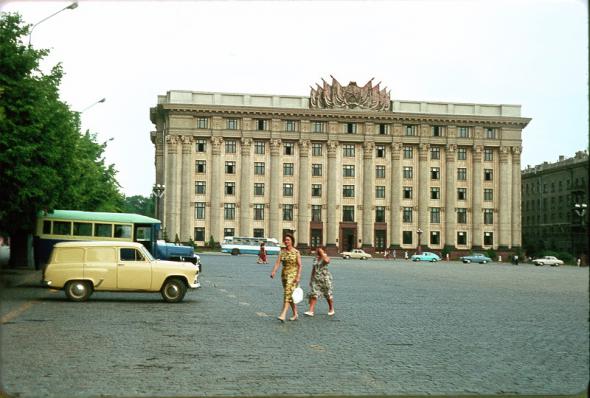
{"points": [[349, 97]]}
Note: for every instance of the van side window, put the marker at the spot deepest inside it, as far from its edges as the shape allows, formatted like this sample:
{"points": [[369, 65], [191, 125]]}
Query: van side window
{"points": [[131, 255]]}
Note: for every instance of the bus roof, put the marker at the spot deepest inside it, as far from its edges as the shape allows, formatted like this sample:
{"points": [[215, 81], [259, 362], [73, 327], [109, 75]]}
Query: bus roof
{"points": [[76, 215]]}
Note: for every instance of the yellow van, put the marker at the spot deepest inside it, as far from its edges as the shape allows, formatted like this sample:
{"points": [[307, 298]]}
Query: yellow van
{"points": [[81, 268]]}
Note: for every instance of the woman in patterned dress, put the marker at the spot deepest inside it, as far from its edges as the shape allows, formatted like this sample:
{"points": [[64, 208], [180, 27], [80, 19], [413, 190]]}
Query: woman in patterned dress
{"points": [[320, 282], [290, 276]]}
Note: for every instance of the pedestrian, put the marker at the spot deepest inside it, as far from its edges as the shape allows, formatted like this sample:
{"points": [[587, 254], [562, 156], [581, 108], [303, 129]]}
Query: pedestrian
{"points": [[290, 275], [262, 254], [386, 254], [515, 259], [406, 254], [394, 254], [320, 282], [579, 262]]}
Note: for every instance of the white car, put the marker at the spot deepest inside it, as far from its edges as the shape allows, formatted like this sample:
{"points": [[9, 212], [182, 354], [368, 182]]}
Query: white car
{"points": [[356, 253], [549, 260]]}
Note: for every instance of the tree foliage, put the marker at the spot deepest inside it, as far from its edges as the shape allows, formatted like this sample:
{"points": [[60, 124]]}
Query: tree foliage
{"points": [[140, 205]]}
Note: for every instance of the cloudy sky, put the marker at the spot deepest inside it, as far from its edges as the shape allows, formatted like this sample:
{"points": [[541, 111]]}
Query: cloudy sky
{"points": [[532, 53]]}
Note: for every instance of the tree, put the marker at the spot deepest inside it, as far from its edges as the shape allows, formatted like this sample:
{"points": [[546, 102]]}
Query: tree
{"points": [[140, 205]]}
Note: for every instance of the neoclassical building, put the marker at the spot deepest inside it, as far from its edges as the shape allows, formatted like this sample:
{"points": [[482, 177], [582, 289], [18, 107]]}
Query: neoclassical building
{"points": [[344, 167]]}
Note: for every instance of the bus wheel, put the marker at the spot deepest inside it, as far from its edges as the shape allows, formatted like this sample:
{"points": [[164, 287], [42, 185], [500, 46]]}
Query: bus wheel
{"points": [[78, 290], [235, 252]]}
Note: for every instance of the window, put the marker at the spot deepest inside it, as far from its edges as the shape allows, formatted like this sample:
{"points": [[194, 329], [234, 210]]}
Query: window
{"points": [[380, 171], [461, 216], [407, 215], [380, 191], [259, 168], [407, 237], [258, 189], [200, 210], [259, 147], [102, 230], [348, 170], [348, 191], [127, 254], [461, 153], [201, 145], [316, 190], [348, 150], [407, 192], [288, 148], [229, 211], [351, 128], [383, 129], [85, 229], [316, 149], [461, 193], [408, 152], [435, 173], [434, 152], [316, 213], [287, 189], [316, 237], [317, 127], [435, 215], [230, 146], [463, 132], [202, 122], [230, 167], [490, 133], [437, 131], [435, 193], [290, 125], [488, 154], [258, 232], [261, 124], [47, 227], [200, 166], [488, 194], [488, 238], [200, 234], [435, 238], [487, 174], [379, 214], [461, 238], [316, 170], [461, 173], [232, 124], [348, 213], [408, 172], [410, 130], [228, 232], [380, 149], [259, 211], [488, 216], [287, 212], [200, 188], [287, 169], [230, 188]]}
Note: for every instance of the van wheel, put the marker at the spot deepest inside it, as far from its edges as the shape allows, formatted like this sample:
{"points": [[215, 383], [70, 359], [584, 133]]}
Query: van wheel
{"points": [[235, 252], [173, 290], [78, 290]]}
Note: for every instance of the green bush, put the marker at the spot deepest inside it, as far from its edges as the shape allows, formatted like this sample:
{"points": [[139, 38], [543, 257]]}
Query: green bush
{"points": [[491, 253]]}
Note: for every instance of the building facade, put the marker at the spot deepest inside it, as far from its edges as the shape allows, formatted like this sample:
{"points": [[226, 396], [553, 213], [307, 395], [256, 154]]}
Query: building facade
{"points": [[550, 192], [345, 167]]}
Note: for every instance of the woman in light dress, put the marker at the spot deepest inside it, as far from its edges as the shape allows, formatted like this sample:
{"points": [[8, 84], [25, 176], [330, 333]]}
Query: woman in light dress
{"points": [[320, 283]]}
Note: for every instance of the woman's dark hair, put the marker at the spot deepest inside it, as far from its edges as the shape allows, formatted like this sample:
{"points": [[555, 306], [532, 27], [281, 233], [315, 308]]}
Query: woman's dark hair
{"points": [[290, 236]]}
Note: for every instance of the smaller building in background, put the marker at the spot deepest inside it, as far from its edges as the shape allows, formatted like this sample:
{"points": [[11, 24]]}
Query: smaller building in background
{"points": [[550, 218]]}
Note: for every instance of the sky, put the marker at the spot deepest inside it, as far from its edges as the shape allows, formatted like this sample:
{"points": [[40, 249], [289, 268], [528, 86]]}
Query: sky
{"points": [[531, 53]]}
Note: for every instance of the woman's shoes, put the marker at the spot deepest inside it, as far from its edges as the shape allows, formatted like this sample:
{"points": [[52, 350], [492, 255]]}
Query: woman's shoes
{"points": [[281, 319], [308, 313], [331, 312], [294, 318]]}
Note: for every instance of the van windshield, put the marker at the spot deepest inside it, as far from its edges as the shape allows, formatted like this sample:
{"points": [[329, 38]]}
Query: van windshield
{"points": [[146, 253]]}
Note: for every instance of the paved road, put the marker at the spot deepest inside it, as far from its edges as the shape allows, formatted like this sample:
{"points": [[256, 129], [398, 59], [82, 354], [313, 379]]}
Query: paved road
{"points": [[399, 328]]}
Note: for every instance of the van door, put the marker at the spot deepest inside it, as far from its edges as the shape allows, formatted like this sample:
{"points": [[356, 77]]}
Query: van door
{"points": [[134, 271]]}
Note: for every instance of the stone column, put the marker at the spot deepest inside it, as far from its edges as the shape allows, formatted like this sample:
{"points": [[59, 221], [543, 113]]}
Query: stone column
{"points": [[332, 197], [274, 222], [396, 192], [171, 216], [216, 185], [505, 200], [450, 196], [516, 192], [187, 213], [368, 192], [424, 193], [304, 189], [476, 198], [245, 187]]}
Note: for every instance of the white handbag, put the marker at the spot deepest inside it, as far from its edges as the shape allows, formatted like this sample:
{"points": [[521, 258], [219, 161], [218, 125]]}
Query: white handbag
{"points": [[297, 295]]}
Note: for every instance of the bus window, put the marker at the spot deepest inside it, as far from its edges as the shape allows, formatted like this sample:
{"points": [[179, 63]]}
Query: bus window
{"points": [[82, 229], [143, 234], [103, 230], [47, 227], [62, 228], [122, 231]]}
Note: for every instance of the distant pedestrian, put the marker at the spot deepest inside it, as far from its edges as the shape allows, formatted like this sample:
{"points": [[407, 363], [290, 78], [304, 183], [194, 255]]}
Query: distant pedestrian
{"points": [[406, 255], [262, 255], [447, 256], [386, 254], [579, 262], [394, 254], [515, 259], [320, 282], [290, 275]]}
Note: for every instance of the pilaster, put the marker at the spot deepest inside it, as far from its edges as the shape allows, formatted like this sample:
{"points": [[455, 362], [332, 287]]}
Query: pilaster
{"points": [[304, 217], [215, 214], [332, 199], [245, 187], [516, 194], [186, 207], [476, 198], [423, 193], [395, 192], [450, 195], [505, 200], [368, 192], [275, 188], [170, 197]]}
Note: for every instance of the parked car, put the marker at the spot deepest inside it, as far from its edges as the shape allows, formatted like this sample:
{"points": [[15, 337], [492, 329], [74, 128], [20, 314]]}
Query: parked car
{"points": [[425, 256], [80, 268], [356, 253], [476, 258], [549, 260]]}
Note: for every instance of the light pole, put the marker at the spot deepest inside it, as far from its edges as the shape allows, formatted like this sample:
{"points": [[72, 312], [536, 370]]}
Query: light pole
{"points": [[70, 7], [580, 210], [419, 232], [100, 101], [158, 191]]}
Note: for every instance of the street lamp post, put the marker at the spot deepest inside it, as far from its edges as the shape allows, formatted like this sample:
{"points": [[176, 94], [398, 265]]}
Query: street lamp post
{"points": [[70, 7], [580, 210], [100, 101], [419, 232], [158, 191]]}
